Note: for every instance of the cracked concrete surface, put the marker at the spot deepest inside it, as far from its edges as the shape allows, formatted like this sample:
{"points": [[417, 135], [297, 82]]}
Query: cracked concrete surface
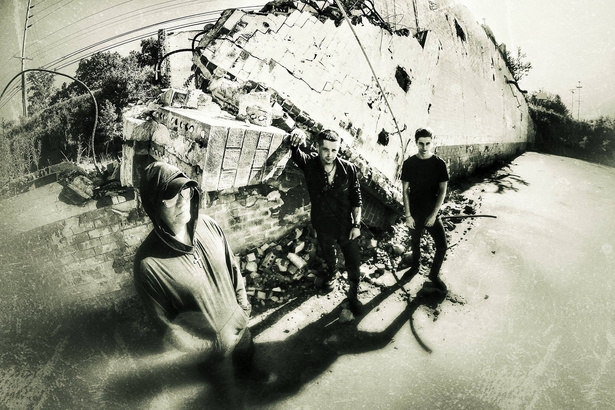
{"points": [[534, 329]]}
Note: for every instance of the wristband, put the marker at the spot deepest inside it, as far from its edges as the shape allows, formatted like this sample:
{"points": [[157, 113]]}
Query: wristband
{"points": [[358, 226]]}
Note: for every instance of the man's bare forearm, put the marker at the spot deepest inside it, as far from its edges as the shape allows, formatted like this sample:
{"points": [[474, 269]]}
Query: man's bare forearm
{"points": [[440, 199], [356, 215]]}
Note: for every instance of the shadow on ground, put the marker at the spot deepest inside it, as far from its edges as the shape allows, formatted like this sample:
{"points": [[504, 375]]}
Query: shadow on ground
{"points": [[296, 361], [305, 355], [498, 175]]}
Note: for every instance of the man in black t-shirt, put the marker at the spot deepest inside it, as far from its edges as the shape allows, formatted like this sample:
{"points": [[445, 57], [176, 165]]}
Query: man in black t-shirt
{"points": [[425, 178]]}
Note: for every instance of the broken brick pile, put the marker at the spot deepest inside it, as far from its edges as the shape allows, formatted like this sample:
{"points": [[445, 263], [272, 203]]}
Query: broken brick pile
{"points": [[276, 272]]}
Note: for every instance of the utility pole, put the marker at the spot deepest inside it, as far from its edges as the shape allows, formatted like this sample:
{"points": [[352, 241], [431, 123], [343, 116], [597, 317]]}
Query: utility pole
{"points": [[579, 86], [416, 15], [24, 96], [572, 102]]}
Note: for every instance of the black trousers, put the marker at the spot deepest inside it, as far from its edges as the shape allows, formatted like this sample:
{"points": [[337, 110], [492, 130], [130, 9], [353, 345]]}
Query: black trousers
{"points": [[230, 376], [439, 237], [350, 249]]}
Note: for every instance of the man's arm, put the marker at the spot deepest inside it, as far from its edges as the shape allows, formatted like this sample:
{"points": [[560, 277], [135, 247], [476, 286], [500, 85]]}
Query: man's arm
{"points": [[355, 201], [431, 219], [355, 232], [240, 287], [409, 219]]}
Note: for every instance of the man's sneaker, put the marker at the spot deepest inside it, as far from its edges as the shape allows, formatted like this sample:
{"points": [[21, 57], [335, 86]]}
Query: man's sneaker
{"points": [[355, 306], [438, 284], [410, 273]]}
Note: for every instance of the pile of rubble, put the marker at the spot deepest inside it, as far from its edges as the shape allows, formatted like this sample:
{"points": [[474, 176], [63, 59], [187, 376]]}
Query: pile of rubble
{"points": [[291, 267], [276, 272]]}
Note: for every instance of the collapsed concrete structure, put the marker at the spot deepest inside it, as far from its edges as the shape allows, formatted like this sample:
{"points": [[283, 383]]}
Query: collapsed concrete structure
{"points": [[67, 248], [255, 75], [295, 64]]}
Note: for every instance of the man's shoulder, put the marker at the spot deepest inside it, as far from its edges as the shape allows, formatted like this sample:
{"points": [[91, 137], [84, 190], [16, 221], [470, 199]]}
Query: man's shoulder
{"points": [[207, 220], [440, 162], [149, 244], [410, 161], [151, 248], [208, 224], [438, 159]]}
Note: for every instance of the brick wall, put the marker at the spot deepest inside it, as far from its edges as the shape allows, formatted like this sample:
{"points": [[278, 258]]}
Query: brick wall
{"points": [[83, 261], [463, 160], [251, 216]]}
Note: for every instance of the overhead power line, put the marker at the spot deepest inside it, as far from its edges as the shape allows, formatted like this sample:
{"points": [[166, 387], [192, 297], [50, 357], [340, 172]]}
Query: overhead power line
{"points": [[58, 61], [53, 11], [12, 93], [157, 25], [79, 54], [122, 18], [123, 42], [94, 48]]}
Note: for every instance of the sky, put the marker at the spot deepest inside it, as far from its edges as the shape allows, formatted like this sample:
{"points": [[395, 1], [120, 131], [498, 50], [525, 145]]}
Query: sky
{"points": [[570, 43], [566, 41]]}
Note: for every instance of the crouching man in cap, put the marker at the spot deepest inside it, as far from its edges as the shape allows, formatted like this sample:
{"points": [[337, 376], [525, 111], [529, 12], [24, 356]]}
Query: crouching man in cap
{"points": [[187, 277]]}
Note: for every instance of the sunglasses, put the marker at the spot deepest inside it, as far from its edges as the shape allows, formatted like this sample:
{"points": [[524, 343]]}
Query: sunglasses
{"points": [[186, 193]]}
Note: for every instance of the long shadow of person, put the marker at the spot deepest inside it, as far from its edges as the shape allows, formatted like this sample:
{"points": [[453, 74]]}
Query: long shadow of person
{"points": [[300, 358], [309, 352], [179, 380]]}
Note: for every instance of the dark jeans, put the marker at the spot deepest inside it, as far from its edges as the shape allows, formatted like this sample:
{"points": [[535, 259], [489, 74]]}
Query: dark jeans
{"points": [[439, 237], [350, 249], [230, 376]]}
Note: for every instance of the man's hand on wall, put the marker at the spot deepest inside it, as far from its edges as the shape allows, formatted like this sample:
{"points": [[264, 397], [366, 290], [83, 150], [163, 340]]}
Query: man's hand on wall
{"points": [[297, 138]]}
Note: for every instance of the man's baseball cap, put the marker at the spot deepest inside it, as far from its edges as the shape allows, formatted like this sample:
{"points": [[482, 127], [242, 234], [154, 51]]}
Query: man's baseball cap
{"points": [[177, 185]]}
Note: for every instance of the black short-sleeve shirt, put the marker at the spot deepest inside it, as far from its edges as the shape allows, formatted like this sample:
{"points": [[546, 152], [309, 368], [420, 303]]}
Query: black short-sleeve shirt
{"points": [[424, 177]]}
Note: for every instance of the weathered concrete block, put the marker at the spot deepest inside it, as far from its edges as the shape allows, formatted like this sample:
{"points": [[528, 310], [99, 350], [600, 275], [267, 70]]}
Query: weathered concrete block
{"points": [[274, 196], [296, 260], [251, 266], [79, 190], [135, 129], [126, 165]]}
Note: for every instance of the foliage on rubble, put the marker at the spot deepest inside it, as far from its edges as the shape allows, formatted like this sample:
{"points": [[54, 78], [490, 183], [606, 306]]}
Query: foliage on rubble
{"points": [[61, 119], [356, 10]]}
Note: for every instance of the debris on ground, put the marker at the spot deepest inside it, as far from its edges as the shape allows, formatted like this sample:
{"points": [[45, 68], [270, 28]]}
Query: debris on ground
{"points": [[291, 267]]}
